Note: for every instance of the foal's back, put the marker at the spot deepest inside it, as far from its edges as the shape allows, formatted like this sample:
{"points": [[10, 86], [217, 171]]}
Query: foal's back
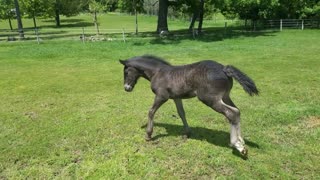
{"points": [[202, 71]]}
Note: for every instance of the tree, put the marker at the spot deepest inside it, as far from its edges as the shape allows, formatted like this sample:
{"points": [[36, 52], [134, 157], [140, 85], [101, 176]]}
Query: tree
{"points": [[131, 6], [197, 6], [312, 10], [244, 9], [290, 8], [194, 6], [64, 7], [201, 13], [162, 25], [250, 9], [19, 21], [151, 6], [111, 5], [95, 7], [269, 9], [34, 8], [6, 11]]}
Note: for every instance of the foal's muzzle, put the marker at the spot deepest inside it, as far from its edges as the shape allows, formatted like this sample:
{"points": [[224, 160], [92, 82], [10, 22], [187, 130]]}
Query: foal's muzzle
{"points": [[128, 87]]}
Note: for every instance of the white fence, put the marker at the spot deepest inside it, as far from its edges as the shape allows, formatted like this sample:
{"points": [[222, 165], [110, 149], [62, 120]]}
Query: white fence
{"points": [[83, 34], [292, 24]]}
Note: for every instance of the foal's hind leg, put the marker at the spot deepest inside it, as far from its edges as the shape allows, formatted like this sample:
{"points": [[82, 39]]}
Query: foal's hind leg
{"points": [[158, 101], [228, 102], [233, 115], [182, 115]]}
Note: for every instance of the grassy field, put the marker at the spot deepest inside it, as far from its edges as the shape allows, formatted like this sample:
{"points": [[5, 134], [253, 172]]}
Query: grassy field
{"points": [[64, 113]]}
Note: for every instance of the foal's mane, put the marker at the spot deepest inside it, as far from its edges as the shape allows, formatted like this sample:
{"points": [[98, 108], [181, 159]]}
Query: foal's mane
{"points": [[155, 59], [149, 59], [147, 62]]}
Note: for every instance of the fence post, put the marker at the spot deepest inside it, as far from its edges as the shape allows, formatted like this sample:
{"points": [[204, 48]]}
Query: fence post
{"points": [[123, 36], [83, 37], [280, 24], [37, 34], [302, 24], [225, 27], [193, 33]]}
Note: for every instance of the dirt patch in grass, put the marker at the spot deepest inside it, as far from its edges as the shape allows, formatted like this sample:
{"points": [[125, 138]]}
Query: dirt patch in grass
{"points": [[312, 122]]}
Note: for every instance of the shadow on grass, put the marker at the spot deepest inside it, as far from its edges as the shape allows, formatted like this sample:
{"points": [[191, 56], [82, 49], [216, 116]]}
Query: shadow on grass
{"points": [[215, 137], [68, 23], [208, 35]]}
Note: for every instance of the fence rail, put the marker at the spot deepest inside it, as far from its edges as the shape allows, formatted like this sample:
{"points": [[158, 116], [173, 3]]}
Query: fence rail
{"points": [[71, 34], [292, 23]]}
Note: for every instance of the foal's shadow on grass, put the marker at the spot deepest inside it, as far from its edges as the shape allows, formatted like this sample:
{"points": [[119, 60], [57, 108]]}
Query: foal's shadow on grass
{"points": [[215, 137]]}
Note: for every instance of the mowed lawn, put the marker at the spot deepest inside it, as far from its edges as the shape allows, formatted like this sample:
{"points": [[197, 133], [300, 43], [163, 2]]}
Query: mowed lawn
{"points": [[64, 113]]}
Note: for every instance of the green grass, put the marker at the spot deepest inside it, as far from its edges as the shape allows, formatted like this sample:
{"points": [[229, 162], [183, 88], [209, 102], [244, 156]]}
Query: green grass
{"points": [[64, 113]]}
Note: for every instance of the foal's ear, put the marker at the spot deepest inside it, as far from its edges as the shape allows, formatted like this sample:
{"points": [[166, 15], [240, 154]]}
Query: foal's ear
{"points": [[124, 62]]}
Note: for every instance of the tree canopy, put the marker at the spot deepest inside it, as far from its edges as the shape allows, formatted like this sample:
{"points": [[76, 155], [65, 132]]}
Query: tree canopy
{"points": [[193, 9]]}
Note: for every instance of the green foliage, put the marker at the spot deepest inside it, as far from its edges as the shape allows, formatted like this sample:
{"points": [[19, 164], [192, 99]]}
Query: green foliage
{"points": [[96, 6], [69, 7], [34, 8], [248, 9], [99, 5], [270, 9], [130, 6], [312, 9], [5, 9]]}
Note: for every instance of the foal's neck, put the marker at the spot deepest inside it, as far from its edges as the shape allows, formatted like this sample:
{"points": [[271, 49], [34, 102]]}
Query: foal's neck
{"points": [[149, 72]]}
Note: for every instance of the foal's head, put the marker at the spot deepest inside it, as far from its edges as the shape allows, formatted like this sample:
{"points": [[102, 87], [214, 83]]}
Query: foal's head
{"points": [[131, 76]]}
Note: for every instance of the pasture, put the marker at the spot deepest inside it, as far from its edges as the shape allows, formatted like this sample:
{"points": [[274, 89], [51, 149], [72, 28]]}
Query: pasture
{"points": [[64, 112]]}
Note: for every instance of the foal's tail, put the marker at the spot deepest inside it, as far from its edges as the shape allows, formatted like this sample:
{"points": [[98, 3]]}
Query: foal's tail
{"points": [[245, 81]]}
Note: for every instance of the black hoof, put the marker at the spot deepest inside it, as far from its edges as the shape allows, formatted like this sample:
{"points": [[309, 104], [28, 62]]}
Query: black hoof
{"points": [[244, 152], [187, 133], [148, 138]]}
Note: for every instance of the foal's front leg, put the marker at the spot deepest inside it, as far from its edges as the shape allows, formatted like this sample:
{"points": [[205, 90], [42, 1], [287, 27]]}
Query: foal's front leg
{"points": [[182, 115], [158, 101]]}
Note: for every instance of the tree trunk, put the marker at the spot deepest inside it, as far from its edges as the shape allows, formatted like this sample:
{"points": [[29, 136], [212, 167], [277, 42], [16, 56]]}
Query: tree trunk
{"points": [[136, 18], [57, 17], [95, 20], [57, 12], [10, 24], [136, 15], [245, 23], [201, 16], [162, 16], [20, 27], [34, 21], [193, 20]]}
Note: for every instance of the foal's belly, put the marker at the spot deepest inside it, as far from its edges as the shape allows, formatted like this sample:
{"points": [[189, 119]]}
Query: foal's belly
{"points": [[182, 95]]}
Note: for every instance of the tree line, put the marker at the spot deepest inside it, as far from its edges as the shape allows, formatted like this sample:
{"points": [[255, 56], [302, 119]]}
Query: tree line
{"points": [[197, 10]]}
